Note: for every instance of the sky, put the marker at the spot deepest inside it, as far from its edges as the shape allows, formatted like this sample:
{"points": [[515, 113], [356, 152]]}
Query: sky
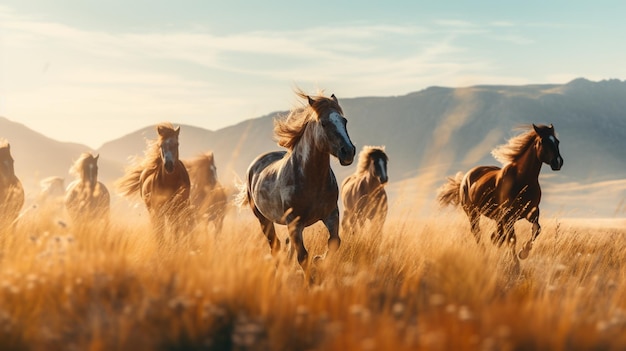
{"points": [[92, 71]]}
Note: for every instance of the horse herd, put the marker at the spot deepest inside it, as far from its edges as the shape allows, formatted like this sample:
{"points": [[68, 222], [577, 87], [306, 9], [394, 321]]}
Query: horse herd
{"points": [[296, 187]]}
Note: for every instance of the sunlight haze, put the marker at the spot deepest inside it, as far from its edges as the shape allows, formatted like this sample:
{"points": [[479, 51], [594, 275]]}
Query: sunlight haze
{"points": [[89, 72]]}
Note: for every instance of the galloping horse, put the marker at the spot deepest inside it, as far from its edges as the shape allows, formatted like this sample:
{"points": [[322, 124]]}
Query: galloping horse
{"points": [[207, 195], [297, 187], [11, 190], [363, 192], [510, 193], [86, 198], [162, 181]]}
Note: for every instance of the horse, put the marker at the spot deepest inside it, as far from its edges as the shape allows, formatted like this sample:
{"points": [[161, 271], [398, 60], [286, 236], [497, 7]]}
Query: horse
{"points": [[510, 193], [87, 199], [297, 187], [51, 190], [207, 196], [162, 181], [11, 190], [363, 192]]}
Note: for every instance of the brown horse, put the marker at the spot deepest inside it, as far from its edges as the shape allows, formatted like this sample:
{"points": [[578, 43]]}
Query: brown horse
{"points": [[363, 193], [86, 198], [510, 193], [163, 183], [297, 187], [11, 190], [207, 196]]}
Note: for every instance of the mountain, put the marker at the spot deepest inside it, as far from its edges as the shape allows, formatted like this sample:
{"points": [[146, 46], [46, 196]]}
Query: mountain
{"points": [[428, 135], [33, 153]]}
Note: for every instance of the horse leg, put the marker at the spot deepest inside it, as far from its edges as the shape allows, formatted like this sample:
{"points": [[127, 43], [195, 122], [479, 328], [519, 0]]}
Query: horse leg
{"points": [[268, 230], [533, 218], [158, 225], [498, 237], [297, 243], [332, 224], [474, 219]]}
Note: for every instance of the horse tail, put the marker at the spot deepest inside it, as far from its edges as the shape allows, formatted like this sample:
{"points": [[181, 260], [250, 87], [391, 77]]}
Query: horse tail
{"points": [[130, 183], [449, 193], [243, 196]]}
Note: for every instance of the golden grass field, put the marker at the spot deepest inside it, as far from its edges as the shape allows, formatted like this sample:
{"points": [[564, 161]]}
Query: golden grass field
{"points": [[423, 285]]}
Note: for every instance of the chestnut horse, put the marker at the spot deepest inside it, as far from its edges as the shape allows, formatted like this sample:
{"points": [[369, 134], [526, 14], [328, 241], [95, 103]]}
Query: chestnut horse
{"points": [[11, 190], [86, 198], [163, 183], [363, 192], [510, 193], [207, 196], [297, 187]]}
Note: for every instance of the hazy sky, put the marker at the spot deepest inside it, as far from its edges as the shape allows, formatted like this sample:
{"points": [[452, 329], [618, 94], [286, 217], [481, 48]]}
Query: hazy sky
{"points": [[91, 71]]}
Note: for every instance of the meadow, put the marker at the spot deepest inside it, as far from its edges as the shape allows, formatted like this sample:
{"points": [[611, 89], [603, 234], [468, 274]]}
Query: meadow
{"points": [[423, 284]]}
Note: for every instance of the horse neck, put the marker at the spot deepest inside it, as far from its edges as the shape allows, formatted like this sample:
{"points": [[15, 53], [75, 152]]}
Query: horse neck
{"points": [[312, 161], [529, 165]]}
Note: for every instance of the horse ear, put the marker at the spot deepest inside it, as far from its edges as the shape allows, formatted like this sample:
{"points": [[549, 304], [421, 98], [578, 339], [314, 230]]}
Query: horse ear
{"points": [[177, 130], [96, 157], [311, 101], [537, 130], [334, 98], [551, 127]]}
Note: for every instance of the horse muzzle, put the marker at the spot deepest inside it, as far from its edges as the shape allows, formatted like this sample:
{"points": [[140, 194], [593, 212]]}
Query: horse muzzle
{"points": [[169, 166], [556, 163], [383, 179], [346, 155]]}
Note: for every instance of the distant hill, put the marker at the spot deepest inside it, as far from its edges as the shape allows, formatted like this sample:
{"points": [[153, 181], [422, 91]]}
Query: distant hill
{"points": [[37, 156], [428, 135]]}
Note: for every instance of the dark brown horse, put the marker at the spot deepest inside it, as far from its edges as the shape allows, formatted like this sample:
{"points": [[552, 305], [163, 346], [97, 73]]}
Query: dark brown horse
{"points": [[11, 190], [510, 193], [363, 193], [87, 200], [163, 183], [297, 187], [208, 197]]}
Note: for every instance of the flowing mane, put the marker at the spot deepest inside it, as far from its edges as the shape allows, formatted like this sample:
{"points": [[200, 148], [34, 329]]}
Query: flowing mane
{"points": [[515, 147], [289, 130], [367, 153], [77, 168], [130, 182]]}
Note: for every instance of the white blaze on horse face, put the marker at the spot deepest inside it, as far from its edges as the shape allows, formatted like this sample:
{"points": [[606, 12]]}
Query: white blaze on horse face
{"points": [[337, 120], [214, 172]]}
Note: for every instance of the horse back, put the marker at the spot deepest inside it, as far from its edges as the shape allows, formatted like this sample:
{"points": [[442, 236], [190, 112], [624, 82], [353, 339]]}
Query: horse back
{"points": [[478, 188]]}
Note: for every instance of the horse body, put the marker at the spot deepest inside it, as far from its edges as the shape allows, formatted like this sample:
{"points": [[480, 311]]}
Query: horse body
{"points": [[11, 190], [86, 198], [162, 181], [363, 192], [510, 193], [207, 196], [297, 187]]}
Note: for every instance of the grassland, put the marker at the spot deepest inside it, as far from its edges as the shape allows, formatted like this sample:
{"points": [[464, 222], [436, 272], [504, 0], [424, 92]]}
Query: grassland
{"points": [[423, 285]]}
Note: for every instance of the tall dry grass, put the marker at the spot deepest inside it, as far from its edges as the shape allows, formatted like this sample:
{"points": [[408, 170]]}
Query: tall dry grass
{"points": [[423, 285]]}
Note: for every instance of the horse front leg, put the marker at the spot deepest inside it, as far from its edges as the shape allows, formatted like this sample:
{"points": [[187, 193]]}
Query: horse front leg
{"points": [[332, 224], [533, 217]]}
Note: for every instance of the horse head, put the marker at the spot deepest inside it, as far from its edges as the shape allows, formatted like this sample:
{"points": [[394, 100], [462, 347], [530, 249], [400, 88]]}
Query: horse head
{"points": [[169, 146], [6, 161], [333, 128], [379, 163], [548, 147]]}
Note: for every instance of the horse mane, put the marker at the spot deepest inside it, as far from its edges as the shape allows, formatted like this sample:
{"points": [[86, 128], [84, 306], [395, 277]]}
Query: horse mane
{"points": [[369, 152], [130, 182], [289, 130], [77, 167], [515, 147]]}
